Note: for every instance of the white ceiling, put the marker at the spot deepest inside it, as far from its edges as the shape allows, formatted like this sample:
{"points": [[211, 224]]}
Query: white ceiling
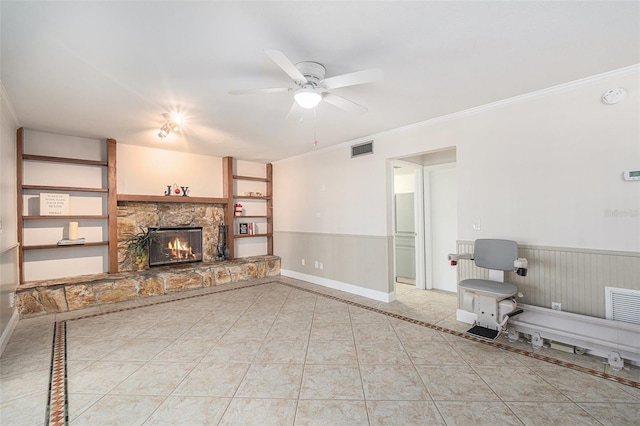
{"points": [[110, 69]]}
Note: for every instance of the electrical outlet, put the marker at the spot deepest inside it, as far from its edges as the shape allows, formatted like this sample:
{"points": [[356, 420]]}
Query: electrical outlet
{"points": [[302, 262], [477, 225], [316, 265], [556, 306], [321, 266]]}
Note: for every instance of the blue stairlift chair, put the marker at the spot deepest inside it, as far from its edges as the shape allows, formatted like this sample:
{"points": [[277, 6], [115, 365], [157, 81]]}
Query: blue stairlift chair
{"points": [[492, 301]]}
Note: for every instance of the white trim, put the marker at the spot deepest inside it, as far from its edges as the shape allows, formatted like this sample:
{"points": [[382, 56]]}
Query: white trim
{"points": [[329, 234], [11, 247], [600, 337], [380, 296], [470, 111], [4, 97], [8, 330], [421, 279], [428, 234], [570, 249]]}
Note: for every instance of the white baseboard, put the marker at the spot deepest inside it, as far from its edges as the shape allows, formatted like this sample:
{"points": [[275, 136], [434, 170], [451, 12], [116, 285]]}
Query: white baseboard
{"points": [[8, 331], [339, 285], [466, 316]]}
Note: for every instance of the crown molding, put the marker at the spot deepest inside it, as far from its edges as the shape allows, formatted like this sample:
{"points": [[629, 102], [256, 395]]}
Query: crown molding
{"points": [[475, 110], [508, 101]]}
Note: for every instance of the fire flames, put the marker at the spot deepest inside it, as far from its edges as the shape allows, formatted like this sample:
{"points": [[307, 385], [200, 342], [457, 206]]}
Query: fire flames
{"points": [[180, 250]]}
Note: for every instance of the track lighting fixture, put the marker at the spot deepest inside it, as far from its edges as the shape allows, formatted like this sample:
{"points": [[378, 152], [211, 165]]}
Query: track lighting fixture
{"points": [[172, 124]]}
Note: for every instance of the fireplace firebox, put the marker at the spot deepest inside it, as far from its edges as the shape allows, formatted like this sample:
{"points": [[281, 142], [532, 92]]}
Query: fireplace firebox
{"points": [[170, 246]]}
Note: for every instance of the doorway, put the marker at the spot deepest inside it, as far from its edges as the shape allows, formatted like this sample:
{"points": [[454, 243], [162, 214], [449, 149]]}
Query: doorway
{"points": [[425, 220], [405, 223]]}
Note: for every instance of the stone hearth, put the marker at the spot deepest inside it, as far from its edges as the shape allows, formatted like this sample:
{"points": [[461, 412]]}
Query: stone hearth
{"points": [[68, 294]]}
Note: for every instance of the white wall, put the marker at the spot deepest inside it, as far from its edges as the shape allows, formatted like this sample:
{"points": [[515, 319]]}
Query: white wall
{"points": [[148, 171], [8, 217], [543, 169], [8, 201]]}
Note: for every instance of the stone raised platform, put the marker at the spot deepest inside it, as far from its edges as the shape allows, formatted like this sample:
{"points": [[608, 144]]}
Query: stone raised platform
{"points": [[68, 294]]}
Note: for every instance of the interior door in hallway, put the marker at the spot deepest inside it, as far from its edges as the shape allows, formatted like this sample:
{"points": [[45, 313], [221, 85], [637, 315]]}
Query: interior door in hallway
{"points": [[404, 191], [442, 205]]}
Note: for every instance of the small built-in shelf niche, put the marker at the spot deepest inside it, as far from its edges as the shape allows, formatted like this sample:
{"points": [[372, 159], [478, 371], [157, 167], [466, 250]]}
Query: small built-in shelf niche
{"points": [[78, 172], [252, 230]]}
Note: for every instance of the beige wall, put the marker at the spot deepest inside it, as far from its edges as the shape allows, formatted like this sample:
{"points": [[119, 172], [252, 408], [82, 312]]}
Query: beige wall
{"points": [[148, 171], [8, 234], [341, 259]]}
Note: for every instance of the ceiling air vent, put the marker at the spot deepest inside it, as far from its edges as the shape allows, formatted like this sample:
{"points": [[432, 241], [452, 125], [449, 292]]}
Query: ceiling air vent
{"points": [[362, 149]]}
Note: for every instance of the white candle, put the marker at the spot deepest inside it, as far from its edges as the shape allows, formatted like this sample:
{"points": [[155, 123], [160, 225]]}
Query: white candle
{"points": [[73, 230]]}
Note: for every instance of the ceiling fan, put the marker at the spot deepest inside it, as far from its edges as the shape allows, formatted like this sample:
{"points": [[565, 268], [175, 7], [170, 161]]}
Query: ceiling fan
{"points": [[311, 86]]}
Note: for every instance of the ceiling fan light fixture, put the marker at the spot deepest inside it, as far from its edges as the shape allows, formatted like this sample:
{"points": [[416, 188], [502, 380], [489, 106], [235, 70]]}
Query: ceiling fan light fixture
{"points": [[307, 97]]}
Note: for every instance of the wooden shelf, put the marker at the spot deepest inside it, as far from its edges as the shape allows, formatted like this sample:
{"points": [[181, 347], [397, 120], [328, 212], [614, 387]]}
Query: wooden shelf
{"points": [[170, 199], [77, 216], [64, 188], [33, 157], [106, 193], [251, 236], [250, 197], [259, 179], [56, 246], [228, 184]]}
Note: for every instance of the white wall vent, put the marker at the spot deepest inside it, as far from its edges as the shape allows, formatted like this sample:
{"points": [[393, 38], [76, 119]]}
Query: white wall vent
{"points": [[362, 149], [622, 304]]}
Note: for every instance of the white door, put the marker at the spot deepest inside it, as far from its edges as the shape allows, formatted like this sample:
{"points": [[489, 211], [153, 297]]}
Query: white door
{"points": [[442, 205], [405, 237]]}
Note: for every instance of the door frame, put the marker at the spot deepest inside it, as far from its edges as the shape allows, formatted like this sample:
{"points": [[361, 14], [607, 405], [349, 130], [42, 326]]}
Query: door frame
{"points": [[419, 223]]}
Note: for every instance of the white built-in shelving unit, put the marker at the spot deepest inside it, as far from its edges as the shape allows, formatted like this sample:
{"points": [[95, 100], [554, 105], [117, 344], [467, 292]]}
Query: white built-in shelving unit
{"points": [[85, 170]]}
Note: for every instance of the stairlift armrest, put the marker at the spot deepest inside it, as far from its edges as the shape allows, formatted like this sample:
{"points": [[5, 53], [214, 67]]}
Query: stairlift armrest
{"points": [[455, 257], [521, 266]]}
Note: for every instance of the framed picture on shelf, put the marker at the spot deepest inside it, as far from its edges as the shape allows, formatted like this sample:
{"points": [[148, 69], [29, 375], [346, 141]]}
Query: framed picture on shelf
{"points": [[243, 228]]}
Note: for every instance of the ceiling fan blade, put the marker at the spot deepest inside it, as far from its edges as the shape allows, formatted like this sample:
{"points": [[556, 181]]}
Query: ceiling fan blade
{"points": [[281, 60], [358, 77], [268, 90], [343, 103], [295, 113]]}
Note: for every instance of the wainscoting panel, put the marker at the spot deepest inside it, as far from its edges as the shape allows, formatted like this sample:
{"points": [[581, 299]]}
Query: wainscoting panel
{"points": [[574, 277], [358, 260], [8, 285]]}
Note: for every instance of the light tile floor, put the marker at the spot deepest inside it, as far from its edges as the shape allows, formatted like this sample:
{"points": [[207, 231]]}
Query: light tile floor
{"points": [[285, 352]]}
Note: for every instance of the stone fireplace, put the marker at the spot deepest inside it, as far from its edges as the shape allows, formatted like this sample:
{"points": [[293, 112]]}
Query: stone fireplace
{"points": [[172, 246], [135, 215]]}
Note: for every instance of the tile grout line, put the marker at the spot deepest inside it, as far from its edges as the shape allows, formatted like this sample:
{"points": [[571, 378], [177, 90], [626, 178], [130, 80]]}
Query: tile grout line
{"points": [[57, 403], [57, 407], [561, 363]]}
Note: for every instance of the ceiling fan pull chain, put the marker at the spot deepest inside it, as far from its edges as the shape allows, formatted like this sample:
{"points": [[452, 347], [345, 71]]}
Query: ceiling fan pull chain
{"points": [[315, 130]]}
